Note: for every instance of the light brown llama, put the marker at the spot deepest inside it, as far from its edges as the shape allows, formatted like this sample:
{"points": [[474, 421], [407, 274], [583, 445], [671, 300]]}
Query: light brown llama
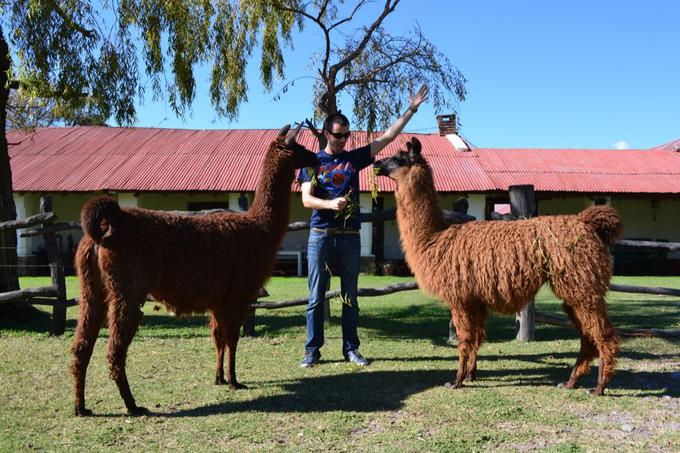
{"points": [[214, 263], [500, 265]]}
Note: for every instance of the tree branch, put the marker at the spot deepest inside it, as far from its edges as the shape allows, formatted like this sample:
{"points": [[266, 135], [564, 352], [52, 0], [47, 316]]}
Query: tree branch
{"points": [[322, 26], [334, 69], [350, 17], [322, 10], [60, 12], [369, 31]]}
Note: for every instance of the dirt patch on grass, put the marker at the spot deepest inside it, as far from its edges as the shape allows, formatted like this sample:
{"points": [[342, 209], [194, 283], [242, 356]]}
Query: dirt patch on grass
{"points": [[643, 428]]}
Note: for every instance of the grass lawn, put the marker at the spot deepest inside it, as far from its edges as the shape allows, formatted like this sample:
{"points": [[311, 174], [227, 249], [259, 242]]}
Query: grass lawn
{"points": [[398, 402]]}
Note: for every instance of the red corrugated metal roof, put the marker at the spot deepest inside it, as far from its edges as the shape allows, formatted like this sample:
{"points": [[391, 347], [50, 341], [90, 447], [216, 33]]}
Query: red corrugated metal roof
{"points": [[671, 146], [83, 159], [584, 170]]}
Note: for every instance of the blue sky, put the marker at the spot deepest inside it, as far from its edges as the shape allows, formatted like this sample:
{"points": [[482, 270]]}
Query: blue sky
{"points": [[548, 74]]}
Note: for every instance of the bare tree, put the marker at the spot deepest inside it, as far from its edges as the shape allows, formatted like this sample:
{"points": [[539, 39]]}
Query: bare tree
{"points": [[375, 67]]}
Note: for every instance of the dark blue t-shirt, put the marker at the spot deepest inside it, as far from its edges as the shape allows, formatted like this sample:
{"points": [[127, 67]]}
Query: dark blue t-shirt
{"points": [[337, 176]]}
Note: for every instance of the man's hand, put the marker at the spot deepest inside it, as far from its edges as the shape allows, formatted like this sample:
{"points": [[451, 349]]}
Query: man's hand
{"points": [[337, 204], [414, 100]]}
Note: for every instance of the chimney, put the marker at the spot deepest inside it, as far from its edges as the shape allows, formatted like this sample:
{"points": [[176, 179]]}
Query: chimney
{"points": [[448, 127], [447, 124]]}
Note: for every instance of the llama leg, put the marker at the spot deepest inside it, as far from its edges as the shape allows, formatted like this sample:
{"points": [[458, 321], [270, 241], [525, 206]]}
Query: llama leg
{"points": [[233, 330], [464, 332], [220, 340], [124, 318], [597, 327], [586, 355], [607, 343], [479, 333], [91, 315]]}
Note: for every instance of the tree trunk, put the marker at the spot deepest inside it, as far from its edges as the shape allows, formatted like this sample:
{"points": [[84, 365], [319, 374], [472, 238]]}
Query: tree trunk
{"points": [[8, 239]]}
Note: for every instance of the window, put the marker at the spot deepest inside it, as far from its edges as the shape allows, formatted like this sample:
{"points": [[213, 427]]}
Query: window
{"points": [[203, 205]]}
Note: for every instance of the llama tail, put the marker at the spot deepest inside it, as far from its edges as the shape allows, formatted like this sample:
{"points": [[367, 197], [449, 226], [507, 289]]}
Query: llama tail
{"points": [[88, 271], [605, 221], [99, 218]]}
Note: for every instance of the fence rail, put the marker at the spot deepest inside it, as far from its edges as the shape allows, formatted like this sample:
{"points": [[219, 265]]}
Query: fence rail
{"points": [[671, 246], [55, 295], [540, 317], [26, 295]]}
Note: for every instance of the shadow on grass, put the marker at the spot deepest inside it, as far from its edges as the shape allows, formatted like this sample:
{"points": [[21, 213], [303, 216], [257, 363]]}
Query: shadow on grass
{"points": [[429, 321], [388, 390], [414, 322], [39, 321]]}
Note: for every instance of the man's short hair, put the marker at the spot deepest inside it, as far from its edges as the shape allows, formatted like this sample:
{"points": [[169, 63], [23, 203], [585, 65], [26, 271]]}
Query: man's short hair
{"points": [[338, 118]]}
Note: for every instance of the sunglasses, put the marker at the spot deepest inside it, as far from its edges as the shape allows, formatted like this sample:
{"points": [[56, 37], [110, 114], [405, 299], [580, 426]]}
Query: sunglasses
{"points": [[339, 135]]}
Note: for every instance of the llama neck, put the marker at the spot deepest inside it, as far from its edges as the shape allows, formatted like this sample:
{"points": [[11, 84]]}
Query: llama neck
{"points": [[418, 212], [271, 205]]}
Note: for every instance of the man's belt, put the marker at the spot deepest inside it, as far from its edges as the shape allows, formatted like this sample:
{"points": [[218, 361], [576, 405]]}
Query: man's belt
{"points": [[333, 231]]}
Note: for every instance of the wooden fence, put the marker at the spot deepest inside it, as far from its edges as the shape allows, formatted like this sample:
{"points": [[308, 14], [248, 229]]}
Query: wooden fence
{"points": [[55, 295], [540, 317]]}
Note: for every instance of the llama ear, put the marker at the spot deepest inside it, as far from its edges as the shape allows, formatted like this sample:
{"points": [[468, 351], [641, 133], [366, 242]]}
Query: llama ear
{"points": [[291, 139], [417, 147], [283, 131], [413, 147]]}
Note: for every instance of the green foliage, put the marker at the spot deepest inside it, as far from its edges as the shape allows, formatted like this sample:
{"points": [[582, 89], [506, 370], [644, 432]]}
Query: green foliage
{"points": [[27, 113], [392, 67], [84, 55], [376, 68], [99, 56]]}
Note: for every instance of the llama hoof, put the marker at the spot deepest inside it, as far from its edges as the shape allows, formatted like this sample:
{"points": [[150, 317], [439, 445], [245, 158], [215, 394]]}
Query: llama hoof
{"points": [[138, 411], [470, 378], [565, 385], [83, 412], [595, 392], [453, 385], [237, 386], [220, 381]]}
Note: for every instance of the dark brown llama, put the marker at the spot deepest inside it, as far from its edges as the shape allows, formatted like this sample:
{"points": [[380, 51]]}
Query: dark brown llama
{"points": [[500, 265], [214, 263]]}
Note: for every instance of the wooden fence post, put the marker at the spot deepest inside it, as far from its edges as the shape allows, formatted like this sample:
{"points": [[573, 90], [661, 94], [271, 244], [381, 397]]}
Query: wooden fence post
{"points": [[249, 322], [523, 205], [452, 331], [56, 272], [327, 304]]}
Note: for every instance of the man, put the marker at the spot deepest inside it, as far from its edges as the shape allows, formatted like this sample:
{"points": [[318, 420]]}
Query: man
{"points": [[332, 192]]}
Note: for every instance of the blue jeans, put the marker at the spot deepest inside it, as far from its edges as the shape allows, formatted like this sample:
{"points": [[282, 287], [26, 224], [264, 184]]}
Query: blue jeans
{"points": [[321, 251]]}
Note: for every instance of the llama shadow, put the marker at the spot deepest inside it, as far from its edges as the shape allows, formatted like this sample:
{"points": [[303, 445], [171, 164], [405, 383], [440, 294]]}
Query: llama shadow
{"points": [[558, 366], [357, 392], [383, 391]]}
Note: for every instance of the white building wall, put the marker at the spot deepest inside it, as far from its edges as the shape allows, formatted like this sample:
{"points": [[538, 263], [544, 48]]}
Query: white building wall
{"points": [[366, 203], [128, 200], [642, 219], [477, 202]]}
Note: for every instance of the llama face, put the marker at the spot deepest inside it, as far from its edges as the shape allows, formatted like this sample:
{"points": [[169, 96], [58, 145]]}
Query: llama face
{"points": [[401, 161], [302, 157]]}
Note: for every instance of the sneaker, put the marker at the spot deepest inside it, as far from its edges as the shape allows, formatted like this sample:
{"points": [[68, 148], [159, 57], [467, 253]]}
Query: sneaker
{"points": [[355, 358], [311, 359]]}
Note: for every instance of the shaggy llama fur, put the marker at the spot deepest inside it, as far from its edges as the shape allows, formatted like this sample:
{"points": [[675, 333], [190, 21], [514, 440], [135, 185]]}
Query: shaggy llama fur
{"points": [[500, 266], [214, 263]]}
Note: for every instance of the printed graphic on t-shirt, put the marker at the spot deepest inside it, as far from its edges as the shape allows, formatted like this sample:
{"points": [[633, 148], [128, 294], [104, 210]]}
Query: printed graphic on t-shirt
{"points": [[336, 177]]}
